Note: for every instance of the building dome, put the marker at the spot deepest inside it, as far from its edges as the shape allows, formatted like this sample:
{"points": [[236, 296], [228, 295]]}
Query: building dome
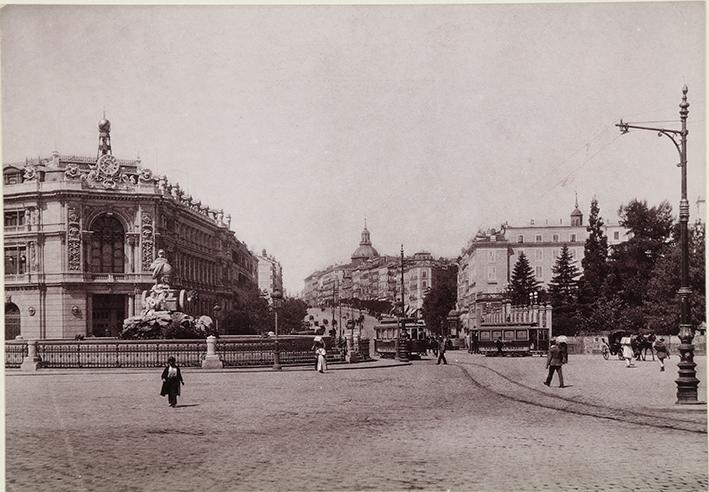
{"points": [[104, 125], [365, 251]]}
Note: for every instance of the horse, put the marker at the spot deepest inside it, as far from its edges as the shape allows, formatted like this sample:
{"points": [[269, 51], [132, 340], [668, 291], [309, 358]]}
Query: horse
{"points": [[641, 344]]}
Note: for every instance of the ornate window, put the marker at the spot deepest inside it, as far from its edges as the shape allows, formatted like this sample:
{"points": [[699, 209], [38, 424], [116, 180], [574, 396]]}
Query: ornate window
{"points": [[15, 260], [14, 219], [107, 245]]}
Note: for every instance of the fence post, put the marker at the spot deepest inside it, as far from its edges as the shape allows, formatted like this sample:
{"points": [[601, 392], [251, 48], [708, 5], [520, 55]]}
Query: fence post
{"points": [[212, 360], [31, 362]]}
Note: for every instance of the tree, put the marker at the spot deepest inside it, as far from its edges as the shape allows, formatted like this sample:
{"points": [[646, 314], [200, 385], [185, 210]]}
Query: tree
{"points": [[563, 293], [662, 302], [595, 258], [523, 282], [291, 315], [606, 314], [249, 315], [563, 286], [436, 305], [632, 262]]}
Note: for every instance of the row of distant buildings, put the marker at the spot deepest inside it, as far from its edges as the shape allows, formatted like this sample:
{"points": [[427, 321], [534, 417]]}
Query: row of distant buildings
{"points": [[80, 234], [371, 276], [482, 271]]}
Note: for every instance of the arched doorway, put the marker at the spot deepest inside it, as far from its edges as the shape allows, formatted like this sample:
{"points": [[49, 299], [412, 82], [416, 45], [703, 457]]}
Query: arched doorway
{"points": [[107, 256], [12, 321], [107, 245]]}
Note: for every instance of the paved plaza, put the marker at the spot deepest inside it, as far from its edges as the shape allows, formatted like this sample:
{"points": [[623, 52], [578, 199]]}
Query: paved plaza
{"points": [[475, 424]]}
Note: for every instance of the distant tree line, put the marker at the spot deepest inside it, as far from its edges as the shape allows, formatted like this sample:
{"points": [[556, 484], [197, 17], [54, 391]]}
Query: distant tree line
{"points": [[252, 315]]}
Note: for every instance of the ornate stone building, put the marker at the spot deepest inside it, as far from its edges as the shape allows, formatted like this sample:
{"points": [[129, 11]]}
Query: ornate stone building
{"points": [[81, 232]]}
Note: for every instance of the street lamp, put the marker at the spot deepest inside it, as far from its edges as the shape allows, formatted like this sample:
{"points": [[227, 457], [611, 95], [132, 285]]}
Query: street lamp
{"points": [[277, 298], [687, 381]]}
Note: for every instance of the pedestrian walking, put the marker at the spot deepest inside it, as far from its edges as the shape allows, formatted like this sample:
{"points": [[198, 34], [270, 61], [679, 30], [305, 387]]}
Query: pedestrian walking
{"points": [[171, 381], [319, 345], [662, 352], [434, 346], [555, 360], [322, 361], [442, 350], [628, 352], [499, 345]]}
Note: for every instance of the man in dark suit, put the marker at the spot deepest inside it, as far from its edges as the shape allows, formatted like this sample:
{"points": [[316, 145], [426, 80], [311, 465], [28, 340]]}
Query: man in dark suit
{"points": [[442, 350], [555, 360]]}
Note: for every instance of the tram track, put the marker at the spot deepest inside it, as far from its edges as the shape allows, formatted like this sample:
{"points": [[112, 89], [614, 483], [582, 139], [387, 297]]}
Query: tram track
{"points": [[582, 408]]}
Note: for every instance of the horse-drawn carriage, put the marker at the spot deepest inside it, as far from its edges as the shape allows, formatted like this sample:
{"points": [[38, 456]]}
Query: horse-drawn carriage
{"points": [[613, 346], [639, 343]]}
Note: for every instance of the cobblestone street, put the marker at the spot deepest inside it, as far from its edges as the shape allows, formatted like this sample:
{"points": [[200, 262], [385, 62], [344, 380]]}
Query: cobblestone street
{"points": [[413, 427]]}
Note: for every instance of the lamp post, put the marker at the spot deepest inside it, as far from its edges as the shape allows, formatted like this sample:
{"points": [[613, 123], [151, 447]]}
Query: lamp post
{"points": [[687, 381], [277, 298], [350, 341]]}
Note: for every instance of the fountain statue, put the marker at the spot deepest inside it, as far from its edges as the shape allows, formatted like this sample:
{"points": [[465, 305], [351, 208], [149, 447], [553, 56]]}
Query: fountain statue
{"points": [[163, 314]]}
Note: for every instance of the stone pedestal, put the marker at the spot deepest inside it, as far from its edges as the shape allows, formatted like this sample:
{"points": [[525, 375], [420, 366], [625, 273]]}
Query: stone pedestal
{"points": [[212, 360], [352, 354], [32, 361]]}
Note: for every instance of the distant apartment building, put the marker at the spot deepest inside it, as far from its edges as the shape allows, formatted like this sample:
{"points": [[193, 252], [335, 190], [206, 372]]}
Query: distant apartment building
{"points": [[370, 276], [486, 263], [270, 273]]}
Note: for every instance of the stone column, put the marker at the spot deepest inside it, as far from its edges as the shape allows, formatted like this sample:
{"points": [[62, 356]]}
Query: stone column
{"points": [[212, 360], [31, 362], [131, 305]]}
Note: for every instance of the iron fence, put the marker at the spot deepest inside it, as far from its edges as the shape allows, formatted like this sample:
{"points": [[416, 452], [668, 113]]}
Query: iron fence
{"points": [[119, 353], [15, 352], [245, 352], [113, 353]]}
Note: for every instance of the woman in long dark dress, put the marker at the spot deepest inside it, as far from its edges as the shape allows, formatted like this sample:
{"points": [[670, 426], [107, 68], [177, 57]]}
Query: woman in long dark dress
{"points": [[171, 381]]}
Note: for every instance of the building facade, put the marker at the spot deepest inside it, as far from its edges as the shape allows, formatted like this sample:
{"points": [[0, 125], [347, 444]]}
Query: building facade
{"points": [[270, 273], [371, 276], [80, 234], [485, 265]]}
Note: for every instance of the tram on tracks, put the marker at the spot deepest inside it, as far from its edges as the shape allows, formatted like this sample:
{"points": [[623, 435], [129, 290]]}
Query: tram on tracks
{"points": [[388, 331], [519, 340]]}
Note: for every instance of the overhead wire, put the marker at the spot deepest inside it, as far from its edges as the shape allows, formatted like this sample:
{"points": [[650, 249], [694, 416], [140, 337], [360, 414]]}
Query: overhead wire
{"points": [[586, 146], [564, 180]]}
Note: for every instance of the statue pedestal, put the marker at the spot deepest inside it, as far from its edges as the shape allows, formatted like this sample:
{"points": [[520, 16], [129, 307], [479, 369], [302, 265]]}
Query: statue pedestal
{"points": [[32, 361], [30, 364], [212, 360]]}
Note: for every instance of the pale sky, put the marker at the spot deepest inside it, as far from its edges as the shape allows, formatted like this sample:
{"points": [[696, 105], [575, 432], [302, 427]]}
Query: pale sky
{"points": [[430, 121]]}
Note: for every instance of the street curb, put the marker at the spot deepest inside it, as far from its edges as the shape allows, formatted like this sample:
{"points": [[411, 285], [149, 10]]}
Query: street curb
{"points": [[340, 366]]}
